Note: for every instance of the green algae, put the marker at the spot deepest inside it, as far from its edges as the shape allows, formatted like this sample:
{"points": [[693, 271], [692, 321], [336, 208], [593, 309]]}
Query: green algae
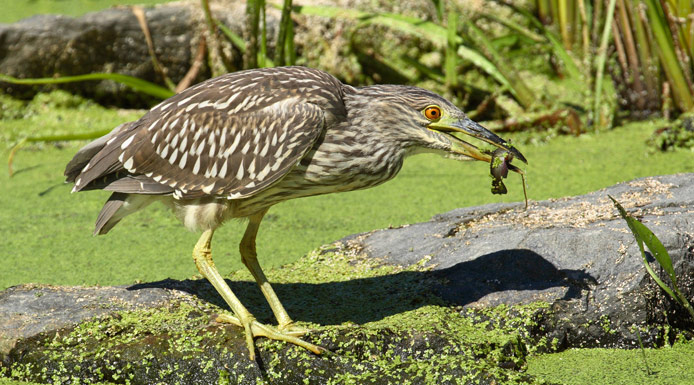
{"points": [[326, 288], [15, 10], [56, 113], [37, 202], [670, 365]]}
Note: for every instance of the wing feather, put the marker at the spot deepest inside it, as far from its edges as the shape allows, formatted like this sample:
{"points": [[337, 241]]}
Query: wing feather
{"points": [[231, 136], [235, 155]]}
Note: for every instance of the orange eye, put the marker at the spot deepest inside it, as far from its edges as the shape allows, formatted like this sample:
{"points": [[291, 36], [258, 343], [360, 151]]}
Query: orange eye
{"points": [[432, 113]]}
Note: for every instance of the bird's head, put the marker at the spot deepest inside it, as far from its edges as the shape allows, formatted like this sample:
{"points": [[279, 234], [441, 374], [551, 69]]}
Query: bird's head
{"points": [[425, 120]]}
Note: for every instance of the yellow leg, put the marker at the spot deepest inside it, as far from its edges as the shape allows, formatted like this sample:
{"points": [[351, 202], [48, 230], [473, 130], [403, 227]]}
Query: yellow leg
{"points": [[202, 254], [250, 259]]}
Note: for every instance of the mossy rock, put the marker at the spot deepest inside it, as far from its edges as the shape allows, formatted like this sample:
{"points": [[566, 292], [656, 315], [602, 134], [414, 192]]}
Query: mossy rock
{"points": [[176, 339]]}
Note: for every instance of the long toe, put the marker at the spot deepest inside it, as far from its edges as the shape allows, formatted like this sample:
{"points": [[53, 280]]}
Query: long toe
{"points": [[289, 333], [262, 330], [292, 329]]}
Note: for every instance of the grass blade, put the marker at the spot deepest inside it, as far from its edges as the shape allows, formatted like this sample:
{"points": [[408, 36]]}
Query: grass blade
{"points": [[289, 42], [643, 351], [634, 74], [411, 25], [512, 25], [558, 49], [218, 60], [668, 56], [644, 235], [684, 10], [431, 73], [263, 35], [139, 13], [451, 61], [601, 59], [417, 27], [233, 37], [284, 32], [563, 12], [521, 91], [543, 10], [250, 56], [238, 42], [49, 138], [135, 83], [485, 65], [585, 28], [438, 4], [649, 63]]}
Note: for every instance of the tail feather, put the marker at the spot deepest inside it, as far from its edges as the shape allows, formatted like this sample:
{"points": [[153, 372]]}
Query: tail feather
{"points": [[85, 154], [124, 182], [117, 207], [99, 158], [96, 166], [105, 220]]}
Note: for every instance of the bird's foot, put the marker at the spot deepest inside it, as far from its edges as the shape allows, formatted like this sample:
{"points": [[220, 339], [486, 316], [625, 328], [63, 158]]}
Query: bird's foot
{"points": [[292, 329], [288, 333]]}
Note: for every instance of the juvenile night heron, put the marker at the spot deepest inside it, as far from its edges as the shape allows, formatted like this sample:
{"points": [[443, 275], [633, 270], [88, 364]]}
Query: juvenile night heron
{"points": [[233, 146]]}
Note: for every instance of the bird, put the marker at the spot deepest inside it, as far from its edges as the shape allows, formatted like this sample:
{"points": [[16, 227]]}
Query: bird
{"points": [[235, 145]]}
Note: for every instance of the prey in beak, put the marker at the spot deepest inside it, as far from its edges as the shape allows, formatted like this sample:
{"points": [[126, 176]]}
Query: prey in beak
{"points": [[499, 159]]}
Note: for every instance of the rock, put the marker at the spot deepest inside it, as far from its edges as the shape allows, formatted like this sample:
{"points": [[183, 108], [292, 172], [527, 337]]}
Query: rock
{"points": [[464, 298], [112, 41], [28, 310], [575, 253], [105, 41], [170, 336]]}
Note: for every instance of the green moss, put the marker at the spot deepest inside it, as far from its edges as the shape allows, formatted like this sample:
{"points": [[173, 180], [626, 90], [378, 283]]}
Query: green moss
{"points": [[72, 355]]}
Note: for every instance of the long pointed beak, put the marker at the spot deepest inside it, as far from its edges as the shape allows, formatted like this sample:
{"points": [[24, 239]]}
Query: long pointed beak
{"points": [[469, 127]]}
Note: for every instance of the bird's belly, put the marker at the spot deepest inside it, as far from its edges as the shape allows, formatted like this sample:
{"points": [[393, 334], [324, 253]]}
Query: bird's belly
{"points": [[311, 180], [201, 214]]}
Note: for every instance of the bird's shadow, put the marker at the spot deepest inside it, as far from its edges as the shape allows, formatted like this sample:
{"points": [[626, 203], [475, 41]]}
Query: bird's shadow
{"points": [[517, 271]]}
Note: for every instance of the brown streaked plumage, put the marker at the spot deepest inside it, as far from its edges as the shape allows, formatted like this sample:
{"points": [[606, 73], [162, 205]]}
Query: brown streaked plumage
{"points": [[233, 146]]}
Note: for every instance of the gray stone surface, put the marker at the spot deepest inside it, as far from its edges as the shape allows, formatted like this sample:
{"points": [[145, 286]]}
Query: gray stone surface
{"points": [[105, 41], [27, 310], [575, 253]]}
